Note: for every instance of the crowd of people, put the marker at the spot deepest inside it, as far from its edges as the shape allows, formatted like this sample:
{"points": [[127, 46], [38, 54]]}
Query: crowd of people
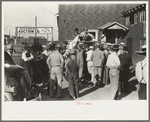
{"points": [[99, 64]]}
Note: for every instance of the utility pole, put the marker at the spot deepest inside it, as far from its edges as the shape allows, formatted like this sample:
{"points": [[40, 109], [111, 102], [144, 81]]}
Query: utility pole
{"points": [[35, 26]]}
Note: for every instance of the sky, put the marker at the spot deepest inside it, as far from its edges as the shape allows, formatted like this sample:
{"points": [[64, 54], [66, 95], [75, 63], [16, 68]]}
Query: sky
{"points": [[22, 14]]}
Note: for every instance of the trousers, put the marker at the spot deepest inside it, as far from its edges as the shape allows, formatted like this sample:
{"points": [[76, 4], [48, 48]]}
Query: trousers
{"points": [[142, 92], [97, 70], [56, 81], [90, 69], [114, 82], [73, 86]]}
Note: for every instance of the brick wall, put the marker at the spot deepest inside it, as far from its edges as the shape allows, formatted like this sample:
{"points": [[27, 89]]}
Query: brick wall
{"points": [[88, 15]]}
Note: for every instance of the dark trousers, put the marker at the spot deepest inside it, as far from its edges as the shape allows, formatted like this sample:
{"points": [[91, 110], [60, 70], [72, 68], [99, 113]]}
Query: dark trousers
{"points": [[123, 87], [73, 86], [142, 92]]}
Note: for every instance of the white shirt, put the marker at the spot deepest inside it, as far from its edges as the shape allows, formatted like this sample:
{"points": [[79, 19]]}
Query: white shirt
{"points": [[27, 58], [89, 53], [45, 52], [113, 61], [74, 42], [141, 75]]}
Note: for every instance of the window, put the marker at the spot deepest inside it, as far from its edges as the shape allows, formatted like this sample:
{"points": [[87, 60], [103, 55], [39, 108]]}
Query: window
{"points": [[94, 33], [131, 19], [135, 18], [142, 16], [127, 21]]}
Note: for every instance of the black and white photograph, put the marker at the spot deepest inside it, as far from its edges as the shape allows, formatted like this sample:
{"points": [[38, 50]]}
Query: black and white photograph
{"points": [[75, 60]]}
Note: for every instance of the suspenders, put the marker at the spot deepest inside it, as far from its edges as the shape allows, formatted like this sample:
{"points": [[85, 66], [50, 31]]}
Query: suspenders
{"points": [[142, 71]]}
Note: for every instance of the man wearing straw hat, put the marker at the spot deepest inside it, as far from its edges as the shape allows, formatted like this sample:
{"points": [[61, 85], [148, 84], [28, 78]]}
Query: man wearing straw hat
{"points": [[97, 58], [141, 74], [55, 62], [113, 63]]}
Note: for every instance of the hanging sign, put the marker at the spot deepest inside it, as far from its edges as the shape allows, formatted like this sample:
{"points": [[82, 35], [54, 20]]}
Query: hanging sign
{"points": [[33, 30]]}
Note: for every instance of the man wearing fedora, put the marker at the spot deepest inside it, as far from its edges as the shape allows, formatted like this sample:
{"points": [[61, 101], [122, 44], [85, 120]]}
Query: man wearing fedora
{"points": [[105, 68], [97, 58], [113, 63], [126, 62], [72, 69], [55, 63], [141, 74]]}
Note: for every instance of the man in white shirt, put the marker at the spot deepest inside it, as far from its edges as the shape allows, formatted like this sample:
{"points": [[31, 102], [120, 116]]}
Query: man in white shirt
{"points": [[113, 63], [89, 62], [27, 57], [141, 74]]}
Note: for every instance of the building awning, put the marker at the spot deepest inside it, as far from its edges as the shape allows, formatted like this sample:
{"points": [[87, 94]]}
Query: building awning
{"points": [[113, 26]]}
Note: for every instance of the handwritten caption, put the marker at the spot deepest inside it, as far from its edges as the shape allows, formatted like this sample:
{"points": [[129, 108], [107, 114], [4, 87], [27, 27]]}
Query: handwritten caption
{"points": [[82, 103]]}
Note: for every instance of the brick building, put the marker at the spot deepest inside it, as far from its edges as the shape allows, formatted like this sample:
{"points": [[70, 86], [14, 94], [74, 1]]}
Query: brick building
{"points": [[93, 16]]}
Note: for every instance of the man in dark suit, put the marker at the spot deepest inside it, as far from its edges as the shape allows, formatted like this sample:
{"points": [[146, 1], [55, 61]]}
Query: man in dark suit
{"points": [[126, 62]]}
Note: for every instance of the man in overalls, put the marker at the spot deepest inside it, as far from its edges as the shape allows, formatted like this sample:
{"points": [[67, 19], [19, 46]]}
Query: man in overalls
{"points": [[72, 68]]}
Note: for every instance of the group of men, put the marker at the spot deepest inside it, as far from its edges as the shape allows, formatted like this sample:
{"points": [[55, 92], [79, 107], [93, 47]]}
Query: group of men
{"points": [[103, 63]]}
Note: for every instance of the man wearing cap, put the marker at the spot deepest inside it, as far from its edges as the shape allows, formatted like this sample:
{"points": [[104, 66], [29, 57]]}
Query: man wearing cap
{"points": [[141, 74], [55, 62], [126, 62], [72, 69], [113, 63], [89, 62], [97, 58]]}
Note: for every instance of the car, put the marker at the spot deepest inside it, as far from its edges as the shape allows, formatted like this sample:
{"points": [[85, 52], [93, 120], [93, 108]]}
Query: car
{"points": [[17, 82]]}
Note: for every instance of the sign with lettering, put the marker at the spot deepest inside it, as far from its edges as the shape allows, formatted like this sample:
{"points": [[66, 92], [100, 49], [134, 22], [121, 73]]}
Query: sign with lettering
{"points": [[33, 30]]}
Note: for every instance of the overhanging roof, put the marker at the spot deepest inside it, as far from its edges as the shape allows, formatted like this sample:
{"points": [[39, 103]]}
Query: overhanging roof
{"points": [[113, 26]]}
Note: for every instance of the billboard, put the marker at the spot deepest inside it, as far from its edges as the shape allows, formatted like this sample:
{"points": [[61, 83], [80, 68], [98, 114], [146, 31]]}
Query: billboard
{"points": [[33, 30]]}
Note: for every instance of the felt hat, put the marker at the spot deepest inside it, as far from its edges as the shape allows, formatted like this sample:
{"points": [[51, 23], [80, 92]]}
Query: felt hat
{"points": [[26, 47], [115, 47], [58, 46]]}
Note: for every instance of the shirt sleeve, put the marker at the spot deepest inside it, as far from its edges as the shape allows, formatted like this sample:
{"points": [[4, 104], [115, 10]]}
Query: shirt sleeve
{"points": [[138, 72], [107, 63], [117, 60], [24, 57], [48, 61], [67, 65], [62, 60], [92, 56]]}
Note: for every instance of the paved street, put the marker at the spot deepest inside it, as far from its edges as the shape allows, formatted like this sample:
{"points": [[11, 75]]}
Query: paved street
{"points": [[91, 93]]}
